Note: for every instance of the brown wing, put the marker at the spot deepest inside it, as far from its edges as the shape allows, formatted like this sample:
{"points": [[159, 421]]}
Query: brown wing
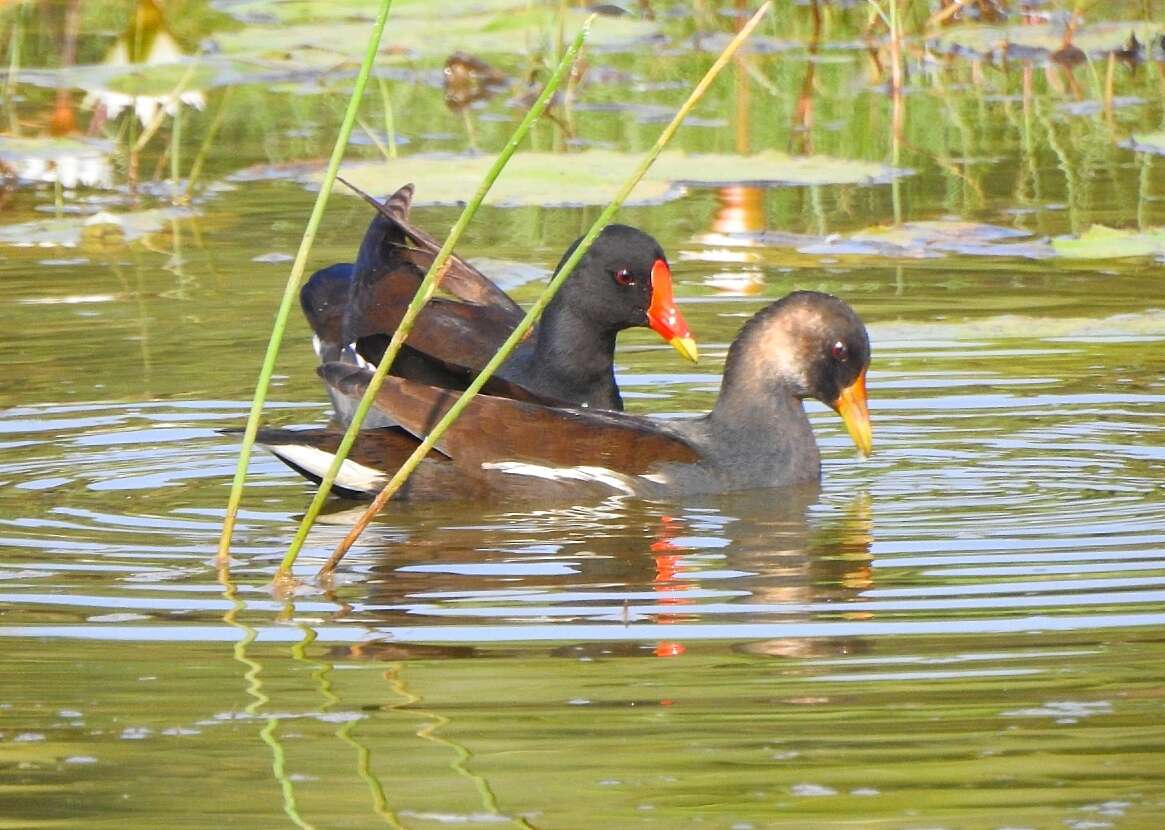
{"points": [[455, 333], [461, 279], [500, 429], [459, 335]]}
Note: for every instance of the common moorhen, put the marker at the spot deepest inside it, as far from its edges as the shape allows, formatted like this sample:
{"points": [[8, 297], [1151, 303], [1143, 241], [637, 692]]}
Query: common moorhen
{"points": [[623, 281], [806, 345]]}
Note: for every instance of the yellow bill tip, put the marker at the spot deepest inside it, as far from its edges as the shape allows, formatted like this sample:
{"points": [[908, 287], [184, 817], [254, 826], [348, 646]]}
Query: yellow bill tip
{"points": [[854, 410], [687, 347]]}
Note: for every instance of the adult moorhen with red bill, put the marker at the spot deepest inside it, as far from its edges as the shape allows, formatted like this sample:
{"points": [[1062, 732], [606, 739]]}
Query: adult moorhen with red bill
{"points": [[806, 345], [623, 281]]}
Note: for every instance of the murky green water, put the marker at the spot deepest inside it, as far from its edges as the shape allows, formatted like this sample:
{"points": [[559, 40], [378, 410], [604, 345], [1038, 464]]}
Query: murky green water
{"points": [[962, 632]]}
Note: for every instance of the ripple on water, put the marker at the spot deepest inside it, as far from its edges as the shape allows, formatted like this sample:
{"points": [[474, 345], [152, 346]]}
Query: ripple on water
{"points": [[1002, 498]]}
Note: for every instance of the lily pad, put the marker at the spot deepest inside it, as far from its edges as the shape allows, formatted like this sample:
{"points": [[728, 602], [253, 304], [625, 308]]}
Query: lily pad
{"points": [[545, 179], [1093, 38], [72, 161], [920, 240], [1138, 326], [914, 240], [1100, 242], [768, 168], [294, 41], [160, 80], [938, 231], [593, 177], [1147, 143], [935, 238], [99, 230], [433, 34], [307, 11]]}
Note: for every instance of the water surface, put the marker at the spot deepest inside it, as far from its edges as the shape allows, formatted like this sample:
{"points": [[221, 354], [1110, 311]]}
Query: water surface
{"points": [[963, 631]]}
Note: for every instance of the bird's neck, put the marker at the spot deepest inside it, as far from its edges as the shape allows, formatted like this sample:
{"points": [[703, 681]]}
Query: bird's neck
{"points": [[760, 432], [574, 350]]}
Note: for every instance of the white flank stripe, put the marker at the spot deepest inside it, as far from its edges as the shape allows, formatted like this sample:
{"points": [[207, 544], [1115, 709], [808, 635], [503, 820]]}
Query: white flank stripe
{"points": [[352, 476], [598, 475], [315, 344]]}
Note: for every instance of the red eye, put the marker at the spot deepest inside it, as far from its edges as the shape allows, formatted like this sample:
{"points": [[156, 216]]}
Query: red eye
{"points": [[623, 277], [839, 350]]}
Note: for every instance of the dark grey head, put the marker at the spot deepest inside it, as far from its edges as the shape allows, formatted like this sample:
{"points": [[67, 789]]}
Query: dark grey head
{"points": [[811, 345], [612, 286]]}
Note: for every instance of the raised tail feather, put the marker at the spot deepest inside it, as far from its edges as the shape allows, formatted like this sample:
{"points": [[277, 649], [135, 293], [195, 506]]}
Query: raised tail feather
{"points": [[461, 279], [375, 456]]}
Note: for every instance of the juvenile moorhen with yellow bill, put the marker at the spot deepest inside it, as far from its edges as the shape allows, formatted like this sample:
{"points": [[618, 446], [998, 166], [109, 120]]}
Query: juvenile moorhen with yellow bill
{"points": [[623, 281], [807, 345]]}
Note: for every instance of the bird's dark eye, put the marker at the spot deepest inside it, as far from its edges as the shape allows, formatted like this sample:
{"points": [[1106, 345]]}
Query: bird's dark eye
{"points": [[839, 350], [624, 277]]}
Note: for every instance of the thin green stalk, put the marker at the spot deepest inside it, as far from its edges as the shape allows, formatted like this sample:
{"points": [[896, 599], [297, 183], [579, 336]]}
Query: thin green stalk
{"points": [[208, 142], [175, 99], [366, 774], [11, 84], [373, 138], [322, 675], [895, 183], [259, 699], [536, 310], [1144, 190], [14, 43], [297, 269], [175, 147], [14, 40], [269, 734], [424, 293], [389, 119], [460, 763]]}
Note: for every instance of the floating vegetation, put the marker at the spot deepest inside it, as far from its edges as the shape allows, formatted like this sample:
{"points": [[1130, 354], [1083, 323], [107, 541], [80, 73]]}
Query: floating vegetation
{"points": [[313, 35], [1147, 143], [1043, 40], [1100, 242], [103, 229], [936, 238], [593, 176], [941, 238], [69, 161]]}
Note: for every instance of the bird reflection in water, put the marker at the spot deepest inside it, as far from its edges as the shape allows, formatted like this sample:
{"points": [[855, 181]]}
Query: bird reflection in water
{"points": [[623, 562], [468, 80]]}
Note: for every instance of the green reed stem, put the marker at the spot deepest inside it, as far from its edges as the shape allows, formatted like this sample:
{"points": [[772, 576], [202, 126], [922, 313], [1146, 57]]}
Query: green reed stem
{"points": [[175, 148], [208, 142], [424, 293], [374, 138], [14, 44], [540, 304], [297, 269], [175, 99], [389, 118]]}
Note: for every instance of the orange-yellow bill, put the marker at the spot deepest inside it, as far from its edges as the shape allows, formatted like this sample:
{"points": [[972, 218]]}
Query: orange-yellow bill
{"points": [[854, 410], [664, 317]]}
